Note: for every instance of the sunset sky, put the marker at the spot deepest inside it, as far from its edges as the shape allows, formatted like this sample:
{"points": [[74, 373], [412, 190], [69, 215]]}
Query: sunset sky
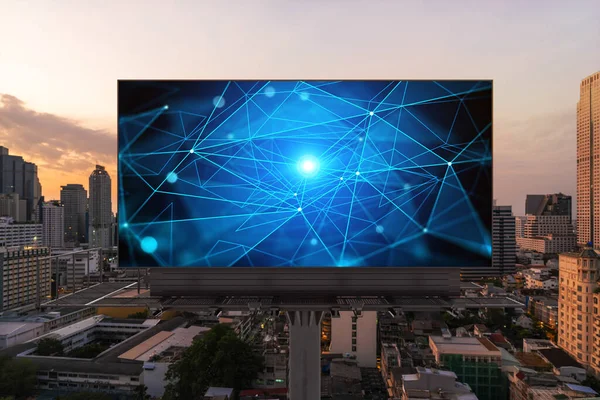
{"points": [[60, 62]]}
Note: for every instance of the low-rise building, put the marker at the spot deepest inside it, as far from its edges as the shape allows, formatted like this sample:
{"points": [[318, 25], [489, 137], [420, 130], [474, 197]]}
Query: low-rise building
{"points": [[532, 345], [435, 384], [563, 364], [475, 360]]}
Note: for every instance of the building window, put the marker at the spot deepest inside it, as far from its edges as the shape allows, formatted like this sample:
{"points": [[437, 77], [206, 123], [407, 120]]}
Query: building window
{"points": [[354, 334], [354, 342]]}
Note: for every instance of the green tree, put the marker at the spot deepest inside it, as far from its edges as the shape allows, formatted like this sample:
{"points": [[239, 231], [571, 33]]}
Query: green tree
{"points": [[50, 347], [219, 358], [87, 351], [142, 392], [17, 378], [139, 315]]}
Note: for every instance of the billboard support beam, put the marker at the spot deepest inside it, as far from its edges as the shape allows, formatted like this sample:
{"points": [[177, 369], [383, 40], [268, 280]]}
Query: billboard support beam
{"points": [[305, 354]]}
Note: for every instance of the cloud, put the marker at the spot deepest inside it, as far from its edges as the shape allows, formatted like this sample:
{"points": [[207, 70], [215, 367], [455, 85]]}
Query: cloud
{"points": [[53, 141]]}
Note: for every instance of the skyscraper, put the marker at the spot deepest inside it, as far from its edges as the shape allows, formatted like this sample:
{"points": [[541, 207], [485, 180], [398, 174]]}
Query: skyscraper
{"points": [[548, 204], [100, 209], [53, 222], [504, 244], [588, 161], [74, 200], [20, 177]]}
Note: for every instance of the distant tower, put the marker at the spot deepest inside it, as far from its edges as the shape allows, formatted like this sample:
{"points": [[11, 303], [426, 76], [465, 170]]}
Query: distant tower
{"points": [[20, 177], [53, 223], [504, 243], [588, 165], [100, 209], [74, 199]]}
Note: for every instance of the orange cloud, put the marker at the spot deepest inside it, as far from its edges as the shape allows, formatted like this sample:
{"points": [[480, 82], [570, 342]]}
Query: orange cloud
{"points": [[64, 150]]}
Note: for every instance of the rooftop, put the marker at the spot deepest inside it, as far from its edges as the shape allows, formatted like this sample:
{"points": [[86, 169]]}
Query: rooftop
{"points": [[464, 345], [9, 328], [559, 358], [531, 360]]}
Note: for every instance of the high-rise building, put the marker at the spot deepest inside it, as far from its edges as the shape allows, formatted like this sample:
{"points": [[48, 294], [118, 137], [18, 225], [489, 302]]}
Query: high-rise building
{"points": [[74, 200], [579, 273], [12, 206], [19, 176], [520, 226], [550, 229], [548, 204], [355, 335], [100, 209], [588, 161], [24, 277], [19, 235], [504, 245], [53, 221]]}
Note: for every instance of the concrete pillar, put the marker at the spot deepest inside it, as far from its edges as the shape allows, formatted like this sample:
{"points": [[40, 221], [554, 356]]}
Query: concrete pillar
{"points": [[305, 355]]}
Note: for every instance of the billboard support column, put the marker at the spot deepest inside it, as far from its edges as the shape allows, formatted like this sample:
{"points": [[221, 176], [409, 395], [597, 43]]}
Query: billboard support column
{"points": [[305, 355]]}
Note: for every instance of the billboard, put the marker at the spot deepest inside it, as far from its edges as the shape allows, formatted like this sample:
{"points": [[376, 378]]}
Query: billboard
{"points": [[305, 174]]}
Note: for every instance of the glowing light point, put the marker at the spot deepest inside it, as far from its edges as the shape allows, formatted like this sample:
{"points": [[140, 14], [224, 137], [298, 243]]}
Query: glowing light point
{"points": [[308, 166], [172, 177], [304, 96], [379, 229], [449, 163], [295, 194], [192, 151], [357, 173], [269, 91], [166, 107], [313, 242], [299, 209], [219, 101], [125, 225], [361, 139], [371, 113], [425, 230], [149, 244], [341, 178], [230, 136]]}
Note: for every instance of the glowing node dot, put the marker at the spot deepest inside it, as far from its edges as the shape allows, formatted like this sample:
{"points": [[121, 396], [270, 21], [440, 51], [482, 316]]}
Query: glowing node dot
{"points": [[341, 178], [192, 151], [125, 225], [360, 139], [166, 107], [357, 173], [299, 209], [424, 230], [371, 113], [172, 177], [406, 186], [295, 194], [269, 91], [230, 136], [313, 242], [219, 101], [308, 166], [449, 163], [304, 96], [149, 244], [379, 229]]}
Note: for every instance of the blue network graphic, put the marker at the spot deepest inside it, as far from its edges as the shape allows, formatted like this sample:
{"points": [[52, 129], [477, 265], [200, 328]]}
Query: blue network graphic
{"points": [[305, 173]]}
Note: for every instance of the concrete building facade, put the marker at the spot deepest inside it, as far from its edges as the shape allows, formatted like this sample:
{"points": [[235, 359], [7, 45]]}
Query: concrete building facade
{"points": [[357, 336], [100, 209], [588, 163], [21, 281], [74, 199], [578, 273], [19, 235], [53, 221], [12, 206]]}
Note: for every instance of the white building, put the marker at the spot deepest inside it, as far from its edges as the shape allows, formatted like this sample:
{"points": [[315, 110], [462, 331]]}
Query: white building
{"points": [[54, 225], [13, 333], [20, 282], [356, 336], [19, 235], [435, 384], [83, 265]]}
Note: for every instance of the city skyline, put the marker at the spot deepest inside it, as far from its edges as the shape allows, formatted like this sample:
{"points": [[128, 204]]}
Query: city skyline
{"points": [[67, 124]]}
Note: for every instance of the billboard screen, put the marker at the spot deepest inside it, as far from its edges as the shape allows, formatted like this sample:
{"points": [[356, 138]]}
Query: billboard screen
{"points": [[291, 174]]}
